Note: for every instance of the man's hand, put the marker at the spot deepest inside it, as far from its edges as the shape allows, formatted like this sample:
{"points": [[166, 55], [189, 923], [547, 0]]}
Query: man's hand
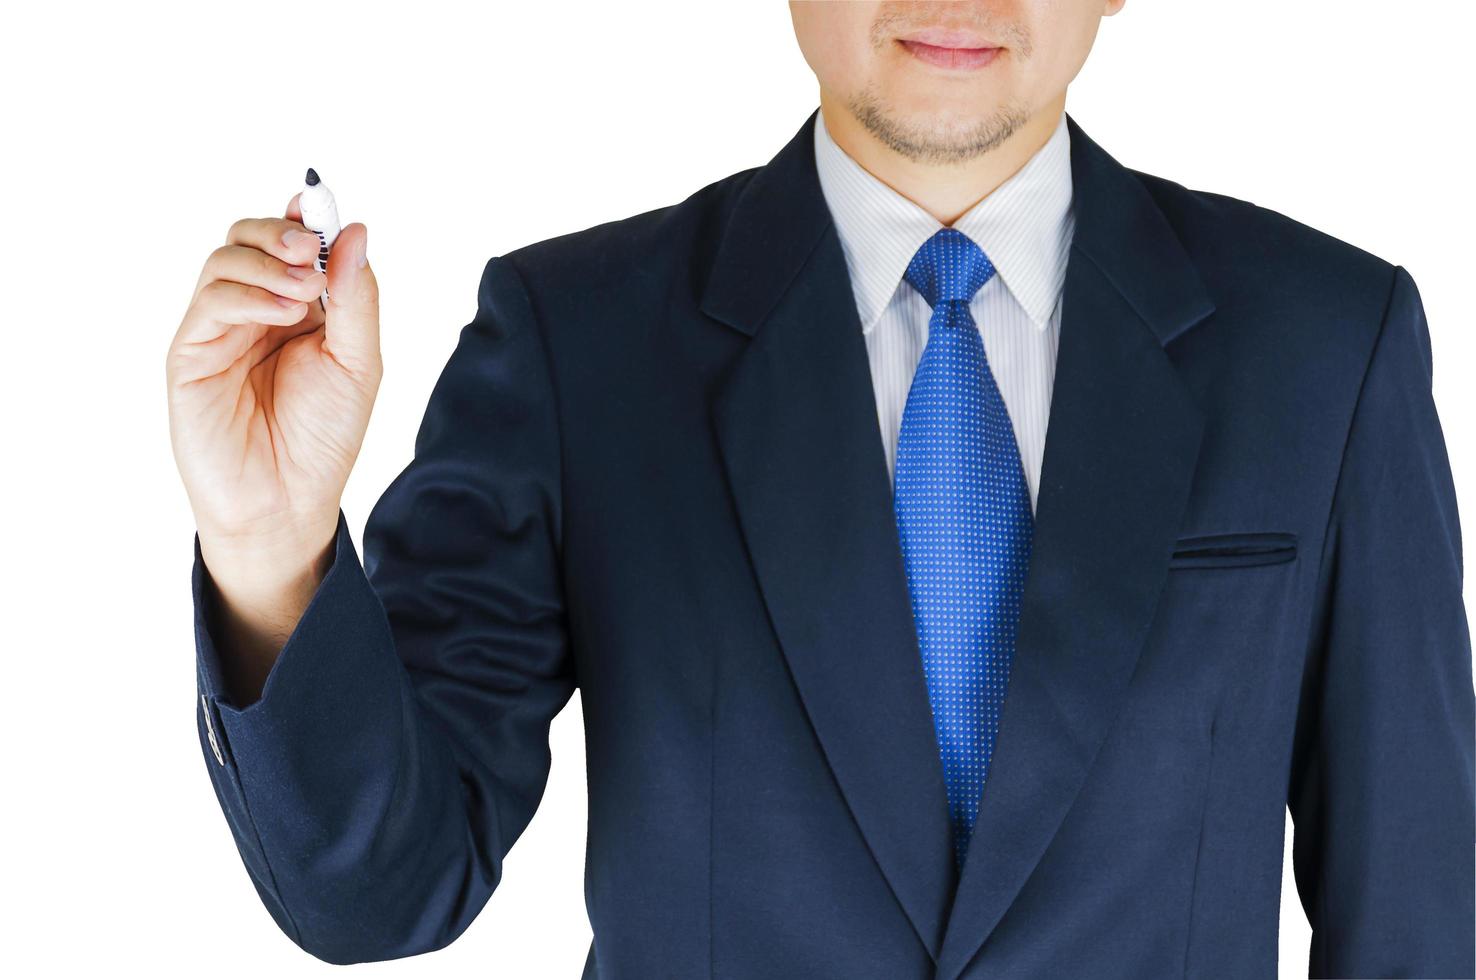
{"points": [[270, 392]]}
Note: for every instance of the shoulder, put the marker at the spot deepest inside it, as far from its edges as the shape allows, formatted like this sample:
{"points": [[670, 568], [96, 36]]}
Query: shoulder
{"points": [[1253, 255], [621, 261], [1279, 284], [1331, 310]]}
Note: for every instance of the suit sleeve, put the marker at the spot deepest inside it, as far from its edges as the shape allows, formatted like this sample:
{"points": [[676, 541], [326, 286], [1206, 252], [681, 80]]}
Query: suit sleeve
{"points": [[400, 745], [1381, 792]]}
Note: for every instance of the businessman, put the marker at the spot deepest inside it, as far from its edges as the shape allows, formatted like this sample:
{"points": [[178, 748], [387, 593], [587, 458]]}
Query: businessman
{"points": [[965, 547]]}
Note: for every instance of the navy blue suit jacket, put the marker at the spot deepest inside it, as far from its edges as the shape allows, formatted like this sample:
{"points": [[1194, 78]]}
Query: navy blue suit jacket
{"points": [[652, 470]]}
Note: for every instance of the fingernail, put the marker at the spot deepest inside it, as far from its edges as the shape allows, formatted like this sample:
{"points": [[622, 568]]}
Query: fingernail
{"points": [[289, 303], [301, 271], [363, 258], [292, 237]]}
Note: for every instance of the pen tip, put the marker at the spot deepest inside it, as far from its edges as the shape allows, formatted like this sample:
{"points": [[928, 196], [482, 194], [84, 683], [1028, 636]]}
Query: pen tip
{"points": [[312, 176]]}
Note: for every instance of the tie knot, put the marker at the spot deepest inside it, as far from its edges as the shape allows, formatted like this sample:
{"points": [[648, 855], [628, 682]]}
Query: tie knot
{"points": [[948, 266]]}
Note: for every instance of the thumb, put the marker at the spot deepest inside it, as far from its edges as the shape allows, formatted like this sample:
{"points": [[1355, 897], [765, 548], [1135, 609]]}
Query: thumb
{"points": [[351, 311]]}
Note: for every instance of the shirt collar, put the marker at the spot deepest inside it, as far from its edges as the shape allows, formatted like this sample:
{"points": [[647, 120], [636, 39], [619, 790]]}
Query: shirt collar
{"points": [[1024, 226]]}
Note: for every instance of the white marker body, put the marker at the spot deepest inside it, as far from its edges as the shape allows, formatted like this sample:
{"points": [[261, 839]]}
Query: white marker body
{"points": [[320, 214]]}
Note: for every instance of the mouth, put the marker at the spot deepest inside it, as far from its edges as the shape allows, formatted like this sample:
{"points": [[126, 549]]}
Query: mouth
{"points": [[951, 49]]}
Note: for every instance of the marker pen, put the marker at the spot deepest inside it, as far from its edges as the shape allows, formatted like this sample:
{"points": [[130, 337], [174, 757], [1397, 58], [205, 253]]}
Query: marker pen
{"points": [[320, 214]]}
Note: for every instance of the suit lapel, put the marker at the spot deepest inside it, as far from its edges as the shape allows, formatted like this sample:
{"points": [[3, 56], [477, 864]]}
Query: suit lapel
{"points": [[1123, 436], [796, 425]]}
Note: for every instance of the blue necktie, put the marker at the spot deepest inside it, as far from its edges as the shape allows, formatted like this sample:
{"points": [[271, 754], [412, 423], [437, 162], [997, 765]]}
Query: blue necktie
{"points": [[964, 520]]}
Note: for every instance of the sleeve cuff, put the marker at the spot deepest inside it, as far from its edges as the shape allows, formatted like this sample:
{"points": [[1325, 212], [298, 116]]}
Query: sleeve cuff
{"points": [[332, 593]]}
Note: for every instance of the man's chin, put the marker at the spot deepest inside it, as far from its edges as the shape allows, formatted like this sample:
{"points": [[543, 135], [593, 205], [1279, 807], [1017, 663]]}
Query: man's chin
{"points": [[938, 133]]}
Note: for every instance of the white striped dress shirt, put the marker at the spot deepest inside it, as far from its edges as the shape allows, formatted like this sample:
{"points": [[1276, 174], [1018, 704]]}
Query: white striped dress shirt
{"points": [[1024, 226]]}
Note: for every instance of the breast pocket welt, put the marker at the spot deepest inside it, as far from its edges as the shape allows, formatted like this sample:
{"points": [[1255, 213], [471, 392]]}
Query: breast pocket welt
{"points": [[1234, 549]]}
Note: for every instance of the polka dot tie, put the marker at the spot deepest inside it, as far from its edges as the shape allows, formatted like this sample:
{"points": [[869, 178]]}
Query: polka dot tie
{"points": [[964, 520]]}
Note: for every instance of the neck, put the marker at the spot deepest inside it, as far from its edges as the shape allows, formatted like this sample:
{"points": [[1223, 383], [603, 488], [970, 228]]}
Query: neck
{"points": [[944, 191]]}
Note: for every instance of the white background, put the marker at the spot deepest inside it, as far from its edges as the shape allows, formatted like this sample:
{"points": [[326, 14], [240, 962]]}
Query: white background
{"points": [[136, 133]]}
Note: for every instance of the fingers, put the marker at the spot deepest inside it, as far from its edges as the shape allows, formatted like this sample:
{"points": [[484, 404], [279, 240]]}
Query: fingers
{"points": [[284, 238], [223, 303], [351, 333], [249, 265], [263, 274]]}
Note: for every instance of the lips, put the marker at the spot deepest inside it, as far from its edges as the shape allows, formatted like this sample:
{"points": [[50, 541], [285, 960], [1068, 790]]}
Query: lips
{"points": [[950, 49], [944, 37]]}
